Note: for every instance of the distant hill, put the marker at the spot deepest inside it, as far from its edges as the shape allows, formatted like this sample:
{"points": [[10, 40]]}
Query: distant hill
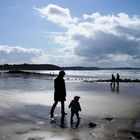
{"points": [[54, 67], [29, 67]]}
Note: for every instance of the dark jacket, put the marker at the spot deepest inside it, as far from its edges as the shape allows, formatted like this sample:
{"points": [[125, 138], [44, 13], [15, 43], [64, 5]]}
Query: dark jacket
{"points": [[75, 106], [59, 89], [113, 78], [118, 78]]}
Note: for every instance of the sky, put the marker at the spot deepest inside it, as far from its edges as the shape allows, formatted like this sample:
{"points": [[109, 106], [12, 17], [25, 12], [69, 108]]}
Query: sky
{"points": [[101, 33]]}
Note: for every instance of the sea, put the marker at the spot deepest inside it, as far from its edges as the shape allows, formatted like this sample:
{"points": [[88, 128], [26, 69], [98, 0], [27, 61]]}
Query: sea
{"points": [[43, 80]]}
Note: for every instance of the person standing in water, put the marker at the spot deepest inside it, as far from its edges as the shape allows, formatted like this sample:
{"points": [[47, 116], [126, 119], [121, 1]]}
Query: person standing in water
{"points": [[112, 80], [117, 79]]}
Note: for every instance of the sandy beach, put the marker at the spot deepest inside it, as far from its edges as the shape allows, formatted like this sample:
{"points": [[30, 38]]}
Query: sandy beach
{"points": [[24, 114]]}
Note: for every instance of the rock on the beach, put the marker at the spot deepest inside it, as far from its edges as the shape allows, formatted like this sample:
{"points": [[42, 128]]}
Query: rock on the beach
{"points": [[35, 138], [136, 134], [109, 119], [92, 125]]}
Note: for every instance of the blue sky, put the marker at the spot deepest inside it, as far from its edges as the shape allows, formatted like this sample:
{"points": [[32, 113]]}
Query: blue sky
{"points": [[104, 33]]}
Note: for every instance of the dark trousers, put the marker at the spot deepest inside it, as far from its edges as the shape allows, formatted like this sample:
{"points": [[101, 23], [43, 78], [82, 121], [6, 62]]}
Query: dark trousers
{"points": [[62, 111], [62, 108], [77, 115]]}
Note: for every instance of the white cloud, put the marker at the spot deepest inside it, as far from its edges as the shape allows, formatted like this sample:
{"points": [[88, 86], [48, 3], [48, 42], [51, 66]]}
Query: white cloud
{"points": [[57, 15], [115, 36], [16, 54], [96, 39], [92, 16], [20, 55]]}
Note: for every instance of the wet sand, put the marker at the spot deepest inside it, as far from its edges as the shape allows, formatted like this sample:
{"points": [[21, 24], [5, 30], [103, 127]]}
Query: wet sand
{"points": [[25, 115]]}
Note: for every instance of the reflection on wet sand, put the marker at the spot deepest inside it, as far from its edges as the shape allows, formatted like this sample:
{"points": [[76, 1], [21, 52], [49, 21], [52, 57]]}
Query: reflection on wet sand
{"points": [[115, 87]]}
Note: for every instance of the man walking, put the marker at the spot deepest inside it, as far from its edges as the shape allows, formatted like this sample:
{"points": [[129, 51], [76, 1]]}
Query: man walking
{"points": [[59, 95]]}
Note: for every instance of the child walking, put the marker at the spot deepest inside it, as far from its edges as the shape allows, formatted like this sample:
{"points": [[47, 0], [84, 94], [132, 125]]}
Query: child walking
{"points": [[75, 108]]}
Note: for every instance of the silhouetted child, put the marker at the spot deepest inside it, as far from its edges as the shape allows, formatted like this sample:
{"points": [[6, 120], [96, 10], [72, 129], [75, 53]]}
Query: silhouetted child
{"points": [[75, 108]]}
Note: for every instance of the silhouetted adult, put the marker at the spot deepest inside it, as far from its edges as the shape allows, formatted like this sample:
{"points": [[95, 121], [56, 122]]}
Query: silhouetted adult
{"points": [[117, 79], [112, 80], [59, 95]]}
